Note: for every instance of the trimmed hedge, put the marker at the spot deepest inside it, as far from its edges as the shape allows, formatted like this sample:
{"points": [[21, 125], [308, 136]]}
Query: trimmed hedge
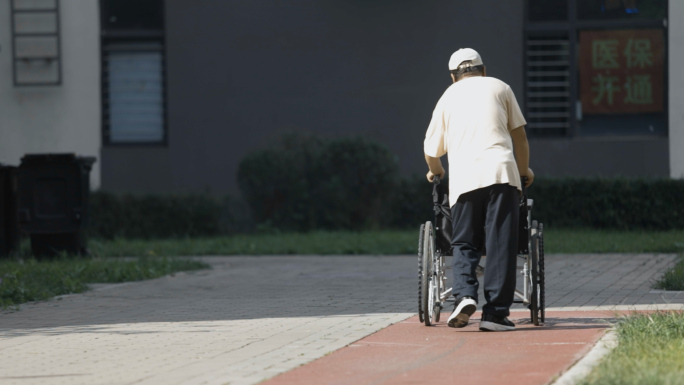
{"points": [[411, 203], [302, 183], [599, 203], [622, 204], [165, 216], [279, 182], [610, 203]]}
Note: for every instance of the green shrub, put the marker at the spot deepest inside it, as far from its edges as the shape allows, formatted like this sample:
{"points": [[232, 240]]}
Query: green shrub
{"points": [[302, 183], [411, 203], [153, 216], [615, 203], [278, 182], [599, 203], [236, 216], [354, 183]]}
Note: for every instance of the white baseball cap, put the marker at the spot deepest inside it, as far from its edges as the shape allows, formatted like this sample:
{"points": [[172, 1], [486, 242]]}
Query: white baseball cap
{"points": [[462, 55]]}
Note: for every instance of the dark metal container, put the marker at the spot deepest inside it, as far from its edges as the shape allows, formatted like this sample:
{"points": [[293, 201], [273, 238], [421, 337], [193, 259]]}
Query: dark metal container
{"points": [[9, 224], [53, 202]]}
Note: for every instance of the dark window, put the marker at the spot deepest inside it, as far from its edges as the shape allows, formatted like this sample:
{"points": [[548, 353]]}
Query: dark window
{"points": [[133, 72], [134, 91], [621, 9], [132, 14], [548, 10]]}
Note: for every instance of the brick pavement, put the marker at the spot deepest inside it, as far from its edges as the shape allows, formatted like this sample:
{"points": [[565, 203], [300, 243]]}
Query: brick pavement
{"points": [[608, 281], [251, 318]]}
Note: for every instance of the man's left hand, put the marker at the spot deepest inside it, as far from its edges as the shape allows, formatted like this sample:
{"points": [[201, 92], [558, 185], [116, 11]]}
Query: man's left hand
{"points": [[431, 176], [436, 165]]}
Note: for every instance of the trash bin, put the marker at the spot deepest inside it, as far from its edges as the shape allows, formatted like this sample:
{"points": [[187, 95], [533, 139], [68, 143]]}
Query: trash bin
{"points": [[9, 225], [53, 194]]}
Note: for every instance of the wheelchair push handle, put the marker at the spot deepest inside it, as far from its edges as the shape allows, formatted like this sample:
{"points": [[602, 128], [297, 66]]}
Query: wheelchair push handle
{"points": [[523, 187]]}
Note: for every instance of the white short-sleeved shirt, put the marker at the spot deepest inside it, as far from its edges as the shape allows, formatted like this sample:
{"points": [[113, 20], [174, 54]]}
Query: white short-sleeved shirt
{"points": [[472, 123]]}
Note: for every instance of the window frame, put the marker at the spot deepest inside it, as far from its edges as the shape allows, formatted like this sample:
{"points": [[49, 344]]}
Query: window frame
{"points": [[58, 36], [132, 36]]}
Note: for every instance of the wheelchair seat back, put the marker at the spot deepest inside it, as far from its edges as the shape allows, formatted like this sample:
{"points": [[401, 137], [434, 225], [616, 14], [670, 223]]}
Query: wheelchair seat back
{"points": [[440, 199]]}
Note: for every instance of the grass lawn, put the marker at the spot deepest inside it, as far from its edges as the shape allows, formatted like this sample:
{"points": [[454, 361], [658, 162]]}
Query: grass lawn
{"points": [[380, 243], [612, 241], [30, 280], [314, 243], [650, 351]]}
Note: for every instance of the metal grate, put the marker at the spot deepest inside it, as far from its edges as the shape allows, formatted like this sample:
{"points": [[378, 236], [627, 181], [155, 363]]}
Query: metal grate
{"points": [[547, 77], [36, 42]]}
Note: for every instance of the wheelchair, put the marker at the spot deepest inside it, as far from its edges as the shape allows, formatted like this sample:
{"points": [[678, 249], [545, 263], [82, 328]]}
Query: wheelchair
{"points": [[434, 244]]}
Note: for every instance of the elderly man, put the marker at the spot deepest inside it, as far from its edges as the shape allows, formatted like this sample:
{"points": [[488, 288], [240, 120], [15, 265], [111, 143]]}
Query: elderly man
{"points": [[478, 122]]}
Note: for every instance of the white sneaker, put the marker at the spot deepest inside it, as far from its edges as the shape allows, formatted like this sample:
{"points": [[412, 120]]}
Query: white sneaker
{"points": [[463, 309]]}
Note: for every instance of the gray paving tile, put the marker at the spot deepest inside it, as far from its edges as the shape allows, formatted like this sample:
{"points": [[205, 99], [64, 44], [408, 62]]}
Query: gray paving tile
{"points": [[251, 318]]}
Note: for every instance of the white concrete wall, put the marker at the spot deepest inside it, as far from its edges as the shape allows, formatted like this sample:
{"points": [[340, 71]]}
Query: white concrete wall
{"points": [[63, 118], [676, 97]]}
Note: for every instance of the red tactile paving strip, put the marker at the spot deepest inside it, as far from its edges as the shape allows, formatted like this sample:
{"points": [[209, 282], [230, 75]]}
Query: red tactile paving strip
{"points": [[410, 353]]}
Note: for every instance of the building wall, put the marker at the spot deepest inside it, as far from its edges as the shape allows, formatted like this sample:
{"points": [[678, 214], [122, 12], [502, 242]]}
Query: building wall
{"points": [[600, 157], [63, 118], [676, 88], [240, 72]]}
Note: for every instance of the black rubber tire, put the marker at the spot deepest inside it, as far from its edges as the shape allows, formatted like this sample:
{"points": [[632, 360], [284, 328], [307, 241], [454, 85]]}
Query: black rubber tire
{"points": [[440, 289], [420, 273], [542, 284], [438, 310], [534, 269], [427, 274]]}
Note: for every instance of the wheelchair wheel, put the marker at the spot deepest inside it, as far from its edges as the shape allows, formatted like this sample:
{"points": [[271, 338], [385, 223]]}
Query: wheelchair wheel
{"points": [[542, 285], [536, 286], [439, 285], [420, 273], [429, 285]]}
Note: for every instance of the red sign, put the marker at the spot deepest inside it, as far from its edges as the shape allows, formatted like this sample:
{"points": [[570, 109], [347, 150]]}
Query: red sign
{"points": [[622, 71]]}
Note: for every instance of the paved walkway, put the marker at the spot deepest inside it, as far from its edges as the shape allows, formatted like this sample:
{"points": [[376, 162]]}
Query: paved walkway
{"points": [[607, 282], [251, 318], [410, 353]]}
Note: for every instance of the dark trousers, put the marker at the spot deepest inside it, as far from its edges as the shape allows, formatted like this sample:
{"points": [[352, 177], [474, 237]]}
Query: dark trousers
{"points": [[488, 216]]}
